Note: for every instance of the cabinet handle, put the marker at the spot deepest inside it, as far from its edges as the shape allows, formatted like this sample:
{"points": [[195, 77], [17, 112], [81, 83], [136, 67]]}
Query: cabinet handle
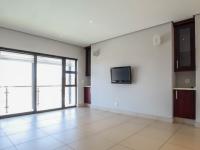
{"points": [[176, 95], [177, 64]]}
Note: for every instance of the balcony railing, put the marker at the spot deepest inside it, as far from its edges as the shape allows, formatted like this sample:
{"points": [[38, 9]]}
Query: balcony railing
{"points": [[6, 91]]}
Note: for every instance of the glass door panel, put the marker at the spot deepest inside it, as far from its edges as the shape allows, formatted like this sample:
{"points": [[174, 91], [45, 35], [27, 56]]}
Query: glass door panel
{"points": [[70, 65], [185, 47], [70, 79], [15, 83], [2, 102], [70, 96], [23, 101], [70, 83], [49, 83]]}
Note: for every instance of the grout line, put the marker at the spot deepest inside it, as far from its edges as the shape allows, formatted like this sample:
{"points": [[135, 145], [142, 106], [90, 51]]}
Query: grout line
{"points": [[176, 144], [70, 147], [169, 138], [11, 142], [98, 132], [41, 128], [30, 140], [48, 135], [135, 133], [91, 122], [84, 124], [87, 136]]}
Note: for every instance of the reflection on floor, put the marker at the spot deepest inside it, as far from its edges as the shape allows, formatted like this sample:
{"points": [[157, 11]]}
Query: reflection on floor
{"points": [[89, 129]]}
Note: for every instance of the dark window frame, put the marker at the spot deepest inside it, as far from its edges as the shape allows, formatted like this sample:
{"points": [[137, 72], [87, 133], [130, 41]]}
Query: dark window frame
{"points": [[35, 55], [71, 85]]}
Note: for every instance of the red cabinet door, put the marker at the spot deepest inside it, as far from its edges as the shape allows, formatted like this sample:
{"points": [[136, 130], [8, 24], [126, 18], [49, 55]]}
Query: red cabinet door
{"points": [[87, 95], [184, 104]]}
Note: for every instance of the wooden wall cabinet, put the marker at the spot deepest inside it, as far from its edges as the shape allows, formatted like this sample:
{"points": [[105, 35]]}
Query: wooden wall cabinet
{"points": [[184, 104], [184, 45], [87, 95], [88, 61]]}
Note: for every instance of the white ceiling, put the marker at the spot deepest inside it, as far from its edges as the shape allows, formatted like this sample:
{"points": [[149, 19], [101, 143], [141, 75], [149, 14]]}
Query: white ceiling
{"points": [[70, 20]]}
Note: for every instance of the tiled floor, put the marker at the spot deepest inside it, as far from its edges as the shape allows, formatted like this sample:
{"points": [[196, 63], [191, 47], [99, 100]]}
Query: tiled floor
{"points": [[88, 129]]}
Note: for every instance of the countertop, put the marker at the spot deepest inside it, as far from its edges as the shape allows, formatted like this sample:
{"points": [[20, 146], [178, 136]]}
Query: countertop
{"points": [[193, 89], [87, 86]]}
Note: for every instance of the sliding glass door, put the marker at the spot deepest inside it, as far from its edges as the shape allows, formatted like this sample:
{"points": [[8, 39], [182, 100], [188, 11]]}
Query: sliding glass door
{"points": [[49, 83], [16, 83], [31, 82]]}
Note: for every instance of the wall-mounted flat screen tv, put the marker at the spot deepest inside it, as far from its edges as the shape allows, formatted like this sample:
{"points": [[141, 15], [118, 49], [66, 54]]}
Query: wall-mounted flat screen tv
{"points": [[121, 75]]}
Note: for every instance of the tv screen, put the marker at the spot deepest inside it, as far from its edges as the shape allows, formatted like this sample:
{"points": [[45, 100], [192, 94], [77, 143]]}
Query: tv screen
{"points": [[121, 75]]}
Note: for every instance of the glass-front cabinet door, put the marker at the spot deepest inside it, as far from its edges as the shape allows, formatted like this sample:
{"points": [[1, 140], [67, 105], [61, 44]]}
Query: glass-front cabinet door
{"points": [[184, 41]]}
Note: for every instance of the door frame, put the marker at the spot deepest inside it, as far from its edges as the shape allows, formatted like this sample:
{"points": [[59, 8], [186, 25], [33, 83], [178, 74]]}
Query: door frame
{"points": [[34, 80]]}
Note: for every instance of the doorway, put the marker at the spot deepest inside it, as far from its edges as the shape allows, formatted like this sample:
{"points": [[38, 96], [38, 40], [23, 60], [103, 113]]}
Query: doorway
{"points": [[33, 82]]}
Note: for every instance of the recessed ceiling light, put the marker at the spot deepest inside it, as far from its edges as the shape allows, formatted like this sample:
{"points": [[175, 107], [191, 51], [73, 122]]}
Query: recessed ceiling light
{"points": [[90, 21]]}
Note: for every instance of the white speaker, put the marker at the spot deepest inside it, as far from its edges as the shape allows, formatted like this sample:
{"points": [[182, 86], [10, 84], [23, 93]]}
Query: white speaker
{"points": [[96, 53], [156, 40]]}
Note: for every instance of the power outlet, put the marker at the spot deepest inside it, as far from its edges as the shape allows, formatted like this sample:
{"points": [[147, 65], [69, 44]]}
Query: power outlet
{"points": [[187, 81]]}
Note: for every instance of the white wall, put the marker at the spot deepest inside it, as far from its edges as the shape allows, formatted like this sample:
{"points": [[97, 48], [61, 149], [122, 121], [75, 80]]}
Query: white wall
{"points": [[151, 91], [197, 20], [22, 41]]}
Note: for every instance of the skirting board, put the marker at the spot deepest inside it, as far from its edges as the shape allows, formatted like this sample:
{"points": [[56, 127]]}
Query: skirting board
{"points": [[81, 105], [197, 124], [185, 121], [169, 120]]}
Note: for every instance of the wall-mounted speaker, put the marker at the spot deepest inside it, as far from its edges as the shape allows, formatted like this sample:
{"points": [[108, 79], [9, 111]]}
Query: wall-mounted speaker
{"points": [[96, 53], [156, 40]]}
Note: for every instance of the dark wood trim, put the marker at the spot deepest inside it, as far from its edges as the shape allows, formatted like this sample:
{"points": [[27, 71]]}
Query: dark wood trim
{"points": [[70, 85], [87, 95], [193, 41], [34, 74], [63, 82], [88, 61], [17, 115], [191, 20], [177, 26], [71, 72], [30, 113], [76, 83]]}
